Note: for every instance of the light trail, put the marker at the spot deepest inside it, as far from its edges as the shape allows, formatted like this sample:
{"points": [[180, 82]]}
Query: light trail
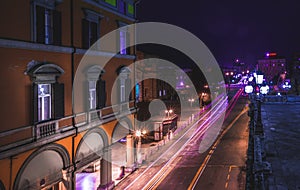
{"points": [[154, 180], [207, 158]]}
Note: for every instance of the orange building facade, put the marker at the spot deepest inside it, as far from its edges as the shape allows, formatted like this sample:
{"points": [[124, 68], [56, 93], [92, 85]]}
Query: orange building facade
{"points": [[48, 138]]}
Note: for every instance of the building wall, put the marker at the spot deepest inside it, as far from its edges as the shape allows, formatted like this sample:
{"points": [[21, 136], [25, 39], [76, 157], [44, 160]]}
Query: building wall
{"points": [[19, 141]]}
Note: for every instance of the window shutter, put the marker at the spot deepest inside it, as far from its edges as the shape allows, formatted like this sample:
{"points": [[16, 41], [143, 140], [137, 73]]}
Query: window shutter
{"points": [[86, 95], [101, 92], [85, 34], [128, 89], [128, 43], [40, 24], [118, 91], [56, 28], [35, 103], [59, 105], [94, 33]]}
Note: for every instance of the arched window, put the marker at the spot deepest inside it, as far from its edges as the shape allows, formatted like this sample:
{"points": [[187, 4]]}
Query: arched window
{"points": [[47, 93]]}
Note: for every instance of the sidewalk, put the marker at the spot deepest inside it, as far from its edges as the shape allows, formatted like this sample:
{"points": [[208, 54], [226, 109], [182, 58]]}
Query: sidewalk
{"points": [[274, 161], [282, 141], [151, 151]]}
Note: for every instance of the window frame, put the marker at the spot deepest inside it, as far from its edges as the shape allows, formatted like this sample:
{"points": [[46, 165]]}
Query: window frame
{"points": [[41, 105], [49, 6], [94, 74], [44, 73], [123, 46], [124, 84], [90, 18]]}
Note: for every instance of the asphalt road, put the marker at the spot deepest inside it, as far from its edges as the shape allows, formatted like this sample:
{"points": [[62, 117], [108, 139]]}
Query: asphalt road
{"points": [[221, 167], [184, 169]]}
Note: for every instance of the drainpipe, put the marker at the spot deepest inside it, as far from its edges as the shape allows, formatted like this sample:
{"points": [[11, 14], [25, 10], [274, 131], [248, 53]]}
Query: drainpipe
{"points": [[73, 177], [135, 58], [134, 75]]}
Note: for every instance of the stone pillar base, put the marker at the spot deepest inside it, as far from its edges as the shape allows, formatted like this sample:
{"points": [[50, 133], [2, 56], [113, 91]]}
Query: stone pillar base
{"points": [[130, 168], [108, 186]]}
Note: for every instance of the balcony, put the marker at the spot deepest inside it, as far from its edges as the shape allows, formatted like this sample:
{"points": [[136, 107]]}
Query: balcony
{"points": [[27, 137]]}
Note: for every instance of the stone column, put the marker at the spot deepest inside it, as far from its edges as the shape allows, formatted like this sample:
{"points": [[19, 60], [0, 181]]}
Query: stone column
{"points": [[106, 171], [129, 152]]}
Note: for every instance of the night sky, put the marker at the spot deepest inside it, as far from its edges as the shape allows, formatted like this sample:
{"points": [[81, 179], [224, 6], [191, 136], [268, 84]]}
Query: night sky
{"points": [[232, 29]]}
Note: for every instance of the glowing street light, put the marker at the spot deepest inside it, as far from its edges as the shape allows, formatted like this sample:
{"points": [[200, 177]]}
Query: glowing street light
{"points": [[169, 112], [191, 100]]}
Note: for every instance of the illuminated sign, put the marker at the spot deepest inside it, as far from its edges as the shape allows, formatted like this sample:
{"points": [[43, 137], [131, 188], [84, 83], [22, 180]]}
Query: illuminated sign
{"points": [[271, 54], [260, 79]]}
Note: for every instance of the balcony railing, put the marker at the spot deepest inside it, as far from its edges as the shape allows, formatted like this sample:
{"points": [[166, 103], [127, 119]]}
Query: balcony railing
{"points": [[45, 130]]}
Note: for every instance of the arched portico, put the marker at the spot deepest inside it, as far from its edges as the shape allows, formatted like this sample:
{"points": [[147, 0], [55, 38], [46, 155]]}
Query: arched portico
{"points": [[93, 161], [45, 168]]}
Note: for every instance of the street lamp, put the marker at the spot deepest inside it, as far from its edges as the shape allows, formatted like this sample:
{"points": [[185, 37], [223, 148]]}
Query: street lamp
{"points": [[169, 112], [191, 100]]}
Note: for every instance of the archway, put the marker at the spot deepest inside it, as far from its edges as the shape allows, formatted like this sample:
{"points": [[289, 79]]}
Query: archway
{"points": [[91, 167], [45, 169]]}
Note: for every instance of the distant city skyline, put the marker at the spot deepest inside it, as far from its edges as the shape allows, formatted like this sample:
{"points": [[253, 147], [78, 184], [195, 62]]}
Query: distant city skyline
{"points": [[234, 29]]}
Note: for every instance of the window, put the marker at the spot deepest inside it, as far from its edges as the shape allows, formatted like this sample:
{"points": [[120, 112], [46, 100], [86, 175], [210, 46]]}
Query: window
{"points": [[47, 93], [46, 22], [44, 102], [96, 88], [111, 2], [90, 28], [124, 40], [130, 9], [92, 95], [124, 84], [122, 6]]}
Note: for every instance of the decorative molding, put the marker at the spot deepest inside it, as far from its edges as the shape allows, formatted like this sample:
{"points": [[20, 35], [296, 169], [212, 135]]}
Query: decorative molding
{"points": [[41, 72], [92, 15], [34, 46]]}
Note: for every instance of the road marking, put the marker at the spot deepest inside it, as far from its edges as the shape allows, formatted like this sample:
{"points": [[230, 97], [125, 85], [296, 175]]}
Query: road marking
{"points": [[228, 175], [166, 173], [207, 158]]}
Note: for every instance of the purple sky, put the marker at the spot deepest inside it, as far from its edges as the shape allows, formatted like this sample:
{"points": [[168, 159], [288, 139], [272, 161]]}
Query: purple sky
{"points": [[232, 29]]}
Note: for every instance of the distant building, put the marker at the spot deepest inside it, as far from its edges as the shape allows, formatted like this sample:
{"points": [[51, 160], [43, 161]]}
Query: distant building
{"points": [[272, 66], [295, 73]]}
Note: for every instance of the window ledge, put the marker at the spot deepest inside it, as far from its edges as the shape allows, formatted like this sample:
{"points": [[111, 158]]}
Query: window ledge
{"points": [[102, 53], [33, 46]]}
